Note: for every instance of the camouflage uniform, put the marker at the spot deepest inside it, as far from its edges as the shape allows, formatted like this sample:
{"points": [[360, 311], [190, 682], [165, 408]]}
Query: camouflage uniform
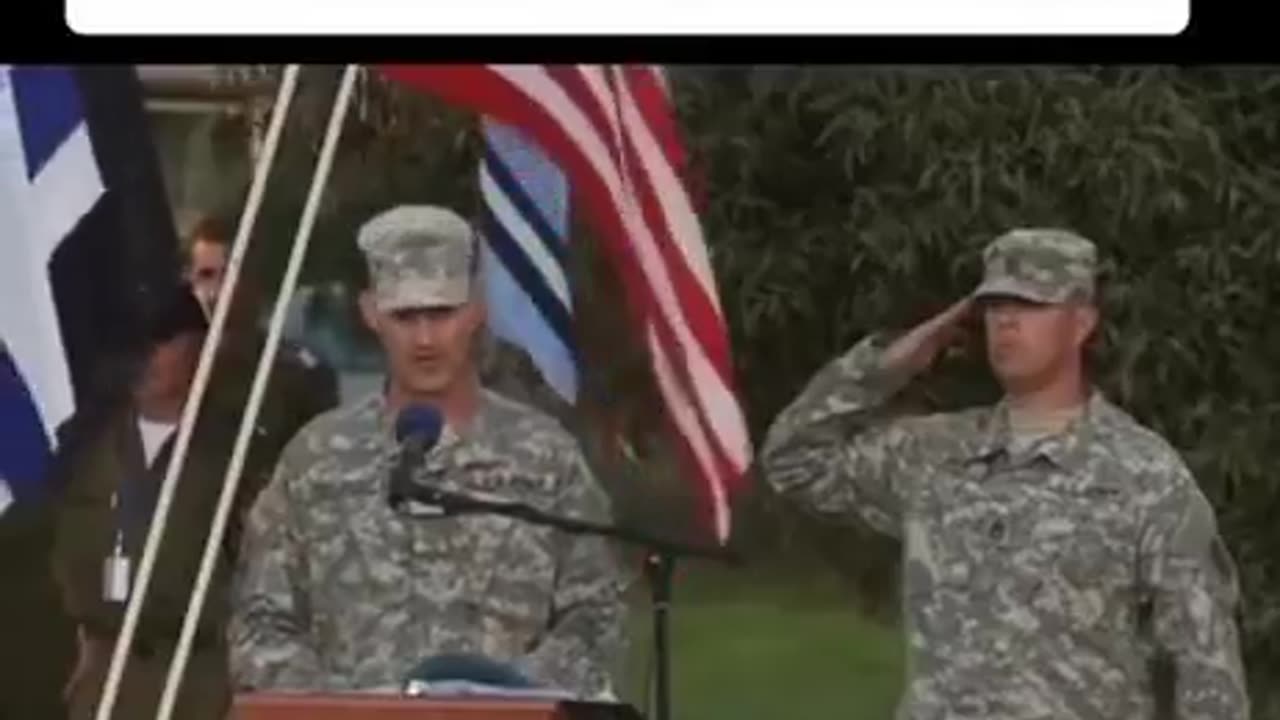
{"points": [[338, 591], [1043, 576]]}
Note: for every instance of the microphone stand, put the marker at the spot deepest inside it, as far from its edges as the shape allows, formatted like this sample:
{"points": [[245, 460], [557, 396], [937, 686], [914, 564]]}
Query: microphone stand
{"points": [[660, 557]]}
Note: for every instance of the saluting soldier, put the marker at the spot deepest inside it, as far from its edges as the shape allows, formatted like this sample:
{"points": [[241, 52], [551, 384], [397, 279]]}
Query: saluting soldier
{"points": [[1054, 547]]}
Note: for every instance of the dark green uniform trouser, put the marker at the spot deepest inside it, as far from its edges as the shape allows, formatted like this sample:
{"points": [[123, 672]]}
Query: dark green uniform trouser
{"points": [[37, 639], [205, 693], [36, 655]]}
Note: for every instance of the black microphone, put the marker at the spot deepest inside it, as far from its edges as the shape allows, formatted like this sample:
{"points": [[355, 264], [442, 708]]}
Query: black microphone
{"points": [[418, 429]]}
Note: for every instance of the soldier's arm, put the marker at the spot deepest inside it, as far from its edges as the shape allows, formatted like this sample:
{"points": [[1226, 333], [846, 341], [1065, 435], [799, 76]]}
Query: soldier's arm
{"points": [[834, 452], [1192, 584], [76, 561], [584, 638], [270, 638]]}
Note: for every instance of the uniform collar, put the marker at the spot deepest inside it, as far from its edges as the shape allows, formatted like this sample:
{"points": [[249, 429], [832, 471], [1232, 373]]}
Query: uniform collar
{"points": [[1066, 449], [378, 410]]}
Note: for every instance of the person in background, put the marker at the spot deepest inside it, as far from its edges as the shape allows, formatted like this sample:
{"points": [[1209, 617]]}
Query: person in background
{"points": [[300, 387], [1056, 551], [110, 465]]}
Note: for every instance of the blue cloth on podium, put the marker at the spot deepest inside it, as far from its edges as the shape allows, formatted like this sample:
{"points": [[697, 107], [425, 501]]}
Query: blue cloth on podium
{"points": [[474, 675], [469, 668]]}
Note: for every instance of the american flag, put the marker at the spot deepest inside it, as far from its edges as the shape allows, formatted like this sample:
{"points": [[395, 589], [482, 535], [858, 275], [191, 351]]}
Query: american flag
{"points": [[613, 129]]}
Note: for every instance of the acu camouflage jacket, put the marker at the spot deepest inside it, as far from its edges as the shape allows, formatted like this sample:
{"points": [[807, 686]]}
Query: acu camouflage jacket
{"points": [[338, 591], [1038, 583]]}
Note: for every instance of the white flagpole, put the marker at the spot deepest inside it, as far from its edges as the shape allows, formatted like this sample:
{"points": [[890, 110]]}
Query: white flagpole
{"points": [[190, 409], [232, 479]]}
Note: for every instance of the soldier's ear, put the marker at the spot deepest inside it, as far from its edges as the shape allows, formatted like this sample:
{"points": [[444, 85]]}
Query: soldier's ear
{"points": [[1086, 322], [369, 311], [480, 312]]}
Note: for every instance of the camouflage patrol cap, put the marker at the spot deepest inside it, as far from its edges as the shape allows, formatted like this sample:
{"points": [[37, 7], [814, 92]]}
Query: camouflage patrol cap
{"points": [[1047, 265], [418, 256]]}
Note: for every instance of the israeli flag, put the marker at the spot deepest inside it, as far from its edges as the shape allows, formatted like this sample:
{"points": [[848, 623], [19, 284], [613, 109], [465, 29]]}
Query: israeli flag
{"points": [[81, 245], [49, 180]]}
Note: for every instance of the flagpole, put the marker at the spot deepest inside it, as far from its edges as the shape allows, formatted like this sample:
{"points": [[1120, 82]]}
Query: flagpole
{"points": [[231, 480], [659, 565], [186, 424]]}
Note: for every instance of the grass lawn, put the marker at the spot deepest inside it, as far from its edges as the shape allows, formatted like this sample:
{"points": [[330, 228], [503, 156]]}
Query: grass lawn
{"points": [[749, 647]]}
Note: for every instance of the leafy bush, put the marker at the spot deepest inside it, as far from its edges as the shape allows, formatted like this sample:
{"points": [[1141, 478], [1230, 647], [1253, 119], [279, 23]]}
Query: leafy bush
{"points": [[843, 200]]}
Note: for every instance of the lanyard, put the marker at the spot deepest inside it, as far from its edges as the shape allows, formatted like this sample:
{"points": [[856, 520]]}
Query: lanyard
{"points": [[134, 499], [132, 507]]}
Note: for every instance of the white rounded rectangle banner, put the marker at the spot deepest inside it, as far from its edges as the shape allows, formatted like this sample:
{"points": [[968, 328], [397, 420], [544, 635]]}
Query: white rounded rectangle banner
{"points": [[665, 17]]}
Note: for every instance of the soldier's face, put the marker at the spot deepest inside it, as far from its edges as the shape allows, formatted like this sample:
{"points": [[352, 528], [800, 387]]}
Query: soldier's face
{"points": [[169, 369], [1030, 344], [429, 349]]}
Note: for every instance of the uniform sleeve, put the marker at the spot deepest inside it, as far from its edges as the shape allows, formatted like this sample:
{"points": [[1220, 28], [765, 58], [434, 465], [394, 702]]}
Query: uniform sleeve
{"points": [[75, 556], [584, 638], [833, 453], [1192, 584], [270, 638]]}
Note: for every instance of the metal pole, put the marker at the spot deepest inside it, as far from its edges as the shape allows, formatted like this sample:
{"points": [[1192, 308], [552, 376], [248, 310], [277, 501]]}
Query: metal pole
{"points": [[659, 567], [232, 478], [190, 409]]}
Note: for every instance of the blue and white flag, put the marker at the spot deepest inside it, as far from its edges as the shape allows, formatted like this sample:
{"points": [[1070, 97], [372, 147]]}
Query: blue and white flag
{"points": [[49, 180], [526, 278], [75, 254]]}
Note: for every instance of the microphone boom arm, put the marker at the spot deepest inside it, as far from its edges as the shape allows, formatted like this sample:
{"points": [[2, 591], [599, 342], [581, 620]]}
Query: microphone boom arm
{"points": [[455, 503], [660, 554]]}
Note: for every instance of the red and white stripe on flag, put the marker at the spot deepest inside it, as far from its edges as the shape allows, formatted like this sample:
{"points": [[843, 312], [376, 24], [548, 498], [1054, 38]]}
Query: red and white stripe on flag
{"points": [[613, 129]]}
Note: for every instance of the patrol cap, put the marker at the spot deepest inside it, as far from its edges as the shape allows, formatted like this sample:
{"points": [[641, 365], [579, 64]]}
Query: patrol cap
{"points": [[418, 256], [1045, 265]]}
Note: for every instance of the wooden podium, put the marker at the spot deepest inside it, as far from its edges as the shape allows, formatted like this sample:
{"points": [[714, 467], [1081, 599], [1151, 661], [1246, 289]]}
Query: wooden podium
{"points": [[359, 706]]}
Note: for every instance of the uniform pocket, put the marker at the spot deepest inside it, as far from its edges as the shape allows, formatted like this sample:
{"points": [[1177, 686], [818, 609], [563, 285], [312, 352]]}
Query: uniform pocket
{"points": [[511, 616], [1085, 562], [513, 599]]}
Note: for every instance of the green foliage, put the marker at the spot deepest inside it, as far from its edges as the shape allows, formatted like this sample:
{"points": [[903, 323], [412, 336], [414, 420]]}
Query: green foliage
{"points": [[850, 199], [397, 146]]}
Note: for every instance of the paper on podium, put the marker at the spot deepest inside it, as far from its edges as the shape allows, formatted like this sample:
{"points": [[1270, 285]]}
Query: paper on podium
{"points": [[468, 688]]}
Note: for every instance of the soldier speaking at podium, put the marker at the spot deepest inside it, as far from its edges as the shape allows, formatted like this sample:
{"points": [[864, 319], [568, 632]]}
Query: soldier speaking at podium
{"points": [[338, 590]]}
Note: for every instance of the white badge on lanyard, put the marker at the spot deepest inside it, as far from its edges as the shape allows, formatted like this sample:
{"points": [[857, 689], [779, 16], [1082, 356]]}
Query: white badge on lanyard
{"points": [[115, 569]]}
